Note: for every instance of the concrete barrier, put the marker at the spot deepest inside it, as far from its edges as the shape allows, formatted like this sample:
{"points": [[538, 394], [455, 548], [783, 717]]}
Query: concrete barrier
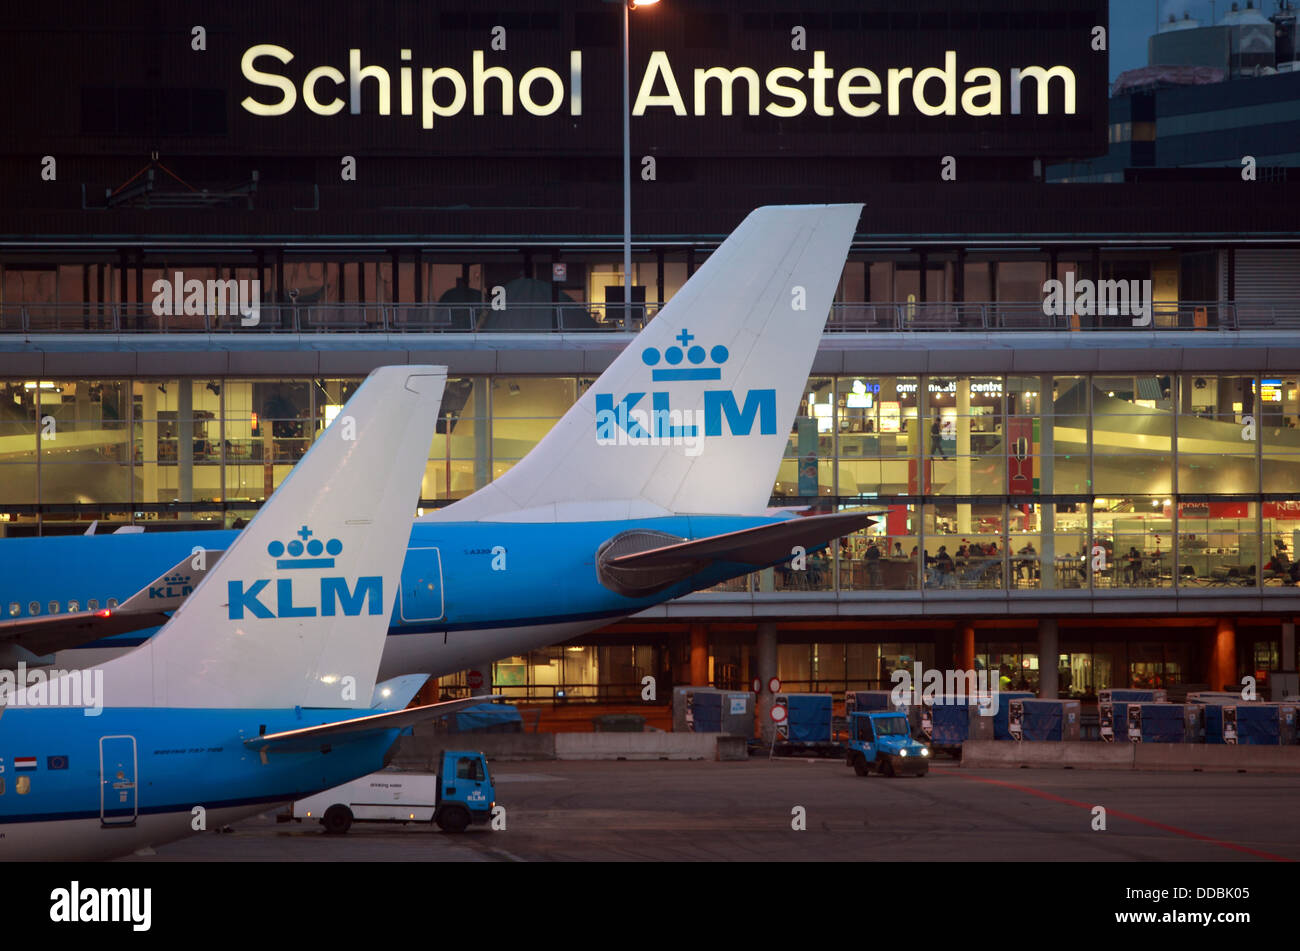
{"points": [[1008, 754], [1004, 754], [425, 752], [1213, 757], [638, 746], [732, 749]]}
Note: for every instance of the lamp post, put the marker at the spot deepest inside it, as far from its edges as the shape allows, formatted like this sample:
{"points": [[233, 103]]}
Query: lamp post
{"points": [[628, 7]]}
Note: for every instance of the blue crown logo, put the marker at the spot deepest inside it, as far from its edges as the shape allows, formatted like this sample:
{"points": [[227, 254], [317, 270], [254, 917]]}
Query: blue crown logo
{"points": [[300, 546], [673, 356], [176, 579]]}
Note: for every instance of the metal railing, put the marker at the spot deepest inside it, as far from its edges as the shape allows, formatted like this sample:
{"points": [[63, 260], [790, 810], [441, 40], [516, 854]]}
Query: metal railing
{"points": [[999, 316], [329, 318], [973, 316], [564, 694]]}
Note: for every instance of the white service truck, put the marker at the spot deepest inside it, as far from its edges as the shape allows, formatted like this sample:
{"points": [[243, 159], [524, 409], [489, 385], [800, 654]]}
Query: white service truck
{"points": [[465, 795]]}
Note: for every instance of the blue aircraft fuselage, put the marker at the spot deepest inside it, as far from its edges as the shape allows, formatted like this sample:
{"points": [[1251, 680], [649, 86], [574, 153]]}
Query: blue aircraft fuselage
{"points": [[486, 587], [56, 806], [470, 589]]}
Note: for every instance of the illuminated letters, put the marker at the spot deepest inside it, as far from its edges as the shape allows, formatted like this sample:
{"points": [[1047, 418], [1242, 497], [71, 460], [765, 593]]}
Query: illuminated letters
{"points": [[254, 75], [309, 90], [645, 97], [782, 91], [1042, 77]]}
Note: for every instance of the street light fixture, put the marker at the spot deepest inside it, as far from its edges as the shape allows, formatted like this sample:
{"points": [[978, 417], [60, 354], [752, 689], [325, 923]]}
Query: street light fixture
{"points": [[628, 5]]}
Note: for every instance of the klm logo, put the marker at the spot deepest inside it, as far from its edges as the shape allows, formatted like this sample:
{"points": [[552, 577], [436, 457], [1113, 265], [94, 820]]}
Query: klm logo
{"points": [[333, 596], [654, 420], [173, 586]]}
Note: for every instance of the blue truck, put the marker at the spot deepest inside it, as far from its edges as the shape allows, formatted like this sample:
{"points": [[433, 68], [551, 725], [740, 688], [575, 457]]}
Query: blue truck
{"points": [[882, 742], [460, 794]]}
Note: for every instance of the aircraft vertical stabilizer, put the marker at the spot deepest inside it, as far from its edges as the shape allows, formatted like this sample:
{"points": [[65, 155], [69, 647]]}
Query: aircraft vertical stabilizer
{"points": [[296, 612], [695, 414]]}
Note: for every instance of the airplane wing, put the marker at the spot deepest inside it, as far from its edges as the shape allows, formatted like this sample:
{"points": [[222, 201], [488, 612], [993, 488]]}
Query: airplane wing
{"points": [[314, 737], [652, 569], [146, 608]]}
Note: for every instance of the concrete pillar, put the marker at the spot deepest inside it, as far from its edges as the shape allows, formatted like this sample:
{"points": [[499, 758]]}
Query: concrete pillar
{"points": [[185, 441], [1049, 649], [767, 666], [1222, 673], [1046, 464], [963, 457], [699, 655], [890, 442], [149, 442], [945, 648], [85, 416], [482, 435], [267, 429], [966, 647], [1284, 681]]}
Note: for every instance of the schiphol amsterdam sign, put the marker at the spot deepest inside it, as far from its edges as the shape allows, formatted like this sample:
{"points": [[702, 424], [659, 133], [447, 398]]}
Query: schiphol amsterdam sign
{"points": [[818, 88]]}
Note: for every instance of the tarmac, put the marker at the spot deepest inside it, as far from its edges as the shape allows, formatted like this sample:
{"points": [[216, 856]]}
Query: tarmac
{"points": [[814, 810]]}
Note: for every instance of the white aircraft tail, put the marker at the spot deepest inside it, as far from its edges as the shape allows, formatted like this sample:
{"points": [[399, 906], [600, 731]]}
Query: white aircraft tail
{"points": [[694, 416], [296, 612]]}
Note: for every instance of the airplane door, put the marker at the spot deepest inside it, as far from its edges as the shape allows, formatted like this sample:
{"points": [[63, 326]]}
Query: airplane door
{"points": [[117, 781], [421, 595]]}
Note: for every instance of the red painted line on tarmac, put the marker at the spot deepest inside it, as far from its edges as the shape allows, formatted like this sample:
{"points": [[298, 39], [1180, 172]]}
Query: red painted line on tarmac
{"points": [[1129, 816]]}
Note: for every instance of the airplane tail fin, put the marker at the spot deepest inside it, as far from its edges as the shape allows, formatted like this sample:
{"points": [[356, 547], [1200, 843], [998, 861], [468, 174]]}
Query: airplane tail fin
{"points": [[694, 416], [173, 586], [296, 612]]}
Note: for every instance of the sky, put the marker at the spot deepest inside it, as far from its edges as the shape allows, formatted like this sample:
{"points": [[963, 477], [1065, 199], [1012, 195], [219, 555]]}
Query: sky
{"points": [[1132, 21]]}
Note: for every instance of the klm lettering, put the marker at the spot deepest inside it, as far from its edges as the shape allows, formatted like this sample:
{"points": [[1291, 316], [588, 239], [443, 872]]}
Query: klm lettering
{"points": [[168, 592], [335, 598], [723, 413]]}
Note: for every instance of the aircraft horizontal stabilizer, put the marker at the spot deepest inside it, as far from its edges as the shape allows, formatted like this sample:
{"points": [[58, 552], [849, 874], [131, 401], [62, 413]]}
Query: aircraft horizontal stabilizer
{"points": [[313, 737], [662, 560], [396, 693], [146, 608]]}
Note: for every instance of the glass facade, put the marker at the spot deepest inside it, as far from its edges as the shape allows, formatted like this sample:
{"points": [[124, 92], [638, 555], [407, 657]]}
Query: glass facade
{"points": [[1086, 665], [1088, 661], [985, 482]]}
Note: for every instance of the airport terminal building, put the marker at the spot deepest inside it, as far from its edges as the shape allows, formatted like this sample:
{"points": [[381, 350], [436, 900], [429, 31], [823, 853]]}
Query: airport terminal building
{"points": [[1114, 483]]}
